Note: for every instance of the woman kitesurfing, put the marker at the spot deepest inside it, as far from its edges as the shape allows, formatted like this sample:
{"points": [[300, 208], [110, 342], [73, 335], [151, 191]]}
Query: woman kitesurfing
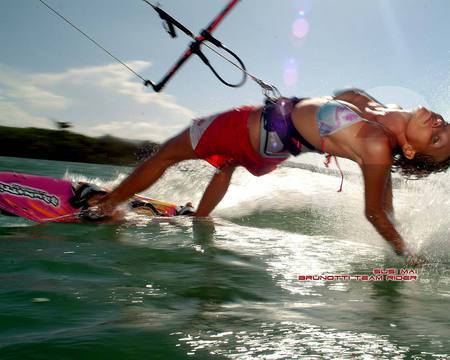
{"points": [[351, 124], [268, 260]]}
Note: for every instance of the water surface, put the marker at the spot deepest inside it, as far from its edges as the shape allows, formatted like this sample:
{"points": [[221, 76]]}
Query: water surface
{"points": [[226, 287]]}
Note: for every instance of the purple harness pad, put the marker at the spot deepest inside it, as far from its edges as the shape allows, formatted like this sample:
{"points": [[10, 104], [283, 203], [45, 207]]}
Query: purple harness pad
{"points": [[37, 198], [277, 117]]}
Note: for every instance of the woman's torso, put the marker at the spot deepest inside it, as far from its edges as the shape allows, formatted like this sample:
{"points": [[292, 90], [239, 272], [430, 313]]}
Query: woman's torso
{"points": [[349, 142]]}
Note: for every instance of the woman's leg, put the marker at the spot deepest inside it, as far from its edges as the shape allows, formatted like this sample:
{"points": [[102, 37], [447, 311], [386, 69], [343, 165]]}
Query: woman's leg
{"points": [[175, 150]]}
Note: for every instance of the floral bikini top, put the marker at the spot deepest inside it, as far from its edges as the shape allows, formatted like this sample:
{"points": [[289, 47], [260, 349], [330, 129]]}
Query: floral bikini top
{"points": [[334, 116]]}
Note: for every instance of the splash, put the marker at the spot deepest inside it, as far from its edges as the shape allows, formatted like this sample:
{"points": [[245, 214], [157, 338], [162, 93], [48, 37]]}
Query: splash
{"points": [[304, 200]]}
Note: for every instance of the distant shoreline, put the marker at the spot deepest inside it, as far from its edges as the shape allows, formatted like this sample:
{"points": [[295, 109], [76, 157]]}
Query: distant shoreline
{"points": [[64, 145]]}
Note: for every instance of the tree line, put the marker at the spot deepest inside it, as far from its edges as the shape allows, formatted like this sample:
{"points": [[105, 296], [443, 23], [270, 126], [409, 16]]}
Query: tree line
{"points": [[63, 145]]}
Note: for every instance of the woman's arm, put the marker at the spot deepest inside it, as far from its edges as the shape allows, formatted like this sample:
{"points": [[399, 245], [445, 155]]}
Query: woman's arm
{"points": [[215, 191], [376, 168], [388, 197], [359, 98], [364, 101]]}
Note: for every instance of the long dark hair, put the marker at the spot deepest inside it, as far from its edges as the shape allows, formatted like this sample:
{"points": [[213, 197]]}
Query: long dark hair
{"points": [[419, 167]]}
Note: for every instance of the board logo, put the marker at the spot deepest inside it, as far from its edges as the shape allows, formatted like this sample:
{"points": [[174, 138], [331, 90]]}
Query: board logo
{"points": [[19, 190]]}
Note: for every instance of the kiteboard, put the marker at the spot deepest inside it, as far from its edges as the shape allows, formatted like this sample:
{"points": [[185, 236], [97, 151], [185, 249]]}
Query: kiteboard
{"points": [[47, 199]]}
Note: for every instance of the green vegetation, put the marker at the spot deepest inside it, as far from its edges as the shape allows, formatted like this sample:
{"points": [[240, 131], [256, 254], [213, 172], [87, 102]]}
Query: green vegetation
{"points": [[67, 146]]}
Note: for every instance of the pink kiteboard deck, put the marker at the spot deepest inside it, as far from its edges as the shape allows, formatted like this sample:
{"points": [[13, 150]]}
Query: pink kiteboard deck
{"points": [[46, 199]]}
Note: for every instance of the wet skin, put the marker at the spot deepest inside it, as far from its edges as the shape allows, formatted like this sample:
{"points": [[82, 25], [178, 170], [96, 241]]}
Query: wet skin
{"points": [[429, 134], [365, 143]]}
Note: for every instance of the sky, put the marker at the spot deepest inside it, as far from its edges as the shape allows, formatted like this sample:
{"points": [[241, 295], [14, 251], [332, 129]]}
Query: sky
{"points": [[398, 50]]}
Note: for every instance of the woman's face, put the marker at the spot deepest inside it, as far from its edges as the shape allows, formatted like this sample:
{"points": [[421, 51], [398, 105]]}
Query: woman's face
{"points": [[429, 134]]}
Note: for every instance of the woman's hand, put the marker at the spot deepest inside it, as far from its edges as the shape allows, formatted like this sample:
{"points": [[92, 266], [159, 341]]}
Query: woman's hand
{"points": [[413, 259], [101, 209]]}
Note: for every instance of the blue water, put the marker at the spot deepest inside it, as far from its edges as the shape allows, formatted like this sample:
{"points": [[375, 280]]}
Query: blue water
{"points": [[226, 287]]}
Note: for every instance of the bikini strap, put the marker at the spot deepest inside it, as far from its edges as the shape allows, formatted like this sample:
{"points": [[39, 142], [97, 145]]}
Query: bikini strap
{"points": [[328, 161], [327, 164], [384, 127], [299, 136]]}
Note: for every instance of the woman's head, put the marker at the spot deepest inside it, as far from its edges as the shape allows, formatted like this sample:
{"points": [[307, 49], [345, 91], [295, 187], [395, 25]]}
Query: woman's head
{"points": [[427, 147]]}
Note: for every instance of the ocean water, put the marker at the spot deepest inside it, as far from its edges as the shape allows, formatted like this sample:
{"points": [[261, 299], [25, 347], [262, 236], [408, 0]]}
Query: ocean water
{"points": [[228, 287]]}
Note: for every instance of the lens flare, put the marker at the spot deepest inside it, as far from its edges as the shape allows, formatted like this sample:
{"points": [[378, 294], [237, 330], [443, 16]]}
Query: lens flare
{"points": [[290, 75], [303, 5], [300, 28]]}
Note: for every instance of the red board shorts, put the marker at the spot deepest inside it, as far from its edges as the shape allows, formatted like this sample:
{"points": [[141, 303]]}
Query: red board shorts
{"points": [[223, 139]]}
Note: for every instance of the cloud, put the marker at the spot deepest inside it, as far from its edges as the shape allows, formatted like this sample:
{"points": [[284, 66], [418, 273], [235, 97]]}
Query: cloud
{"points": [[97, 100], [11, 115], [17, 87]]}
